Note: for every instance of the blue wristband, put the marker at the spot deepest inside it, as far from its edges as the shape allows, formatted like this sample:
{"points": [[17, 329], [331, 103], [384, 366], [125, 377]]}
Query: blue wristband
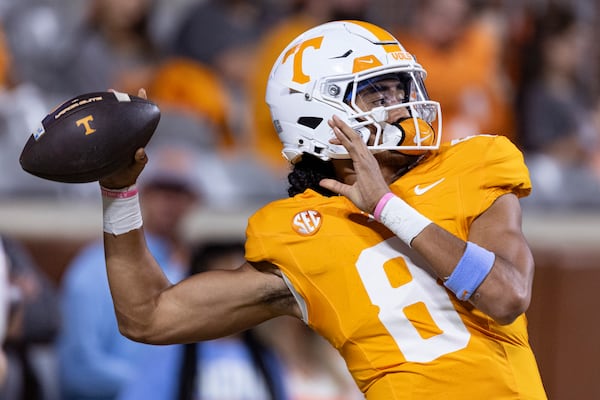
{"points": [[473, 267]]}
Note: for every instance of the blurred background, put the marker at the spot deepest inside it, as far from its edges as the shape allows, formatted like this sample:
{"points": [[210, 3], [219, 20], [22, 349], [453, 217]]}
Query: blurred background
{"points": [[526, 69]]}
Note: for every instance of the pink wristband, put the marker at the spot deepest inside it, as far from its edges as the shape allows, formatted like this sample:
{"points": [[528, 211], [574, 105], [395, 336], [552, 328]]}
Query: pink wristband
{"points": [[124, 193], [382, 202]]}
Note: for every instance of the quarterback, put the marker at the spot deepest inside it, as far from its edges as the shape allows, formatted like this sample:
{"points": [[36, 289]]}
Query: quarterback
{"points": [[406, 254]]}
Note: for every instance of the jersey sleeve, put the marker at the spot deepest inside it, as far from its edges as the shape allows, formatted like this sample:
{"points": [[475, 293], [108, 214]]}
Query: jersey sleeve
{"points": [[504, 168], [500, 170], [464, 179]]}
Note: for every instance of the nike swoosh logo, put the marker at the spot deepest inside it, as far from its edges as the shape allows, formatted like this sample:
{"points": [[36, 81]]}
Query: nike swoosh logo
{"points": [[419, 190], [418, 141]]}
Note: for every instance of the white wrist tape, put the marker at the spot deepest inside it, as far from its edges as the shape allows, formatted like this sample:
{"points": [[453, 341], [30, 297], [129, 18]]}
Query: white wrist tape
{"points": [[401, 218], [121, 210]]}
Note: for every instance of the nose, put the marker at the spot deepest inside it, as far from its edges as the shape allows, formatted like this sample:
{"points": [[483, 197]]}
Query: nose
{"points": [[393, 95]]}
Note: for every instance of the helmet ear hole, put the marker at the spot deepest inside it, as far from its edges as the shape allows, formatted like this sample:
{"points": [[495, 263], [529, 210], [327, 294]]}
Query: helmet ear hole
{"points": [[310, 122]]}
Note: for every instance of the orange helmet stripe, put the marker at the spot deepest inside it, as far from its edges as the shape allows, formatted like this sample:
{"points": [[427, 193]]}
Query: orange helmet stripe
{"points": [[381, 34]]}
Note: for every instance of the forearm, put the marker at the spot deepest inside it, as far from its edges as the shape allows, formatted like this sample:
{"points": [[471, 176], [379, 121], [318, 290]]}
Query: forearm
{"points": [[503, 294], [136, 280], [493, 270], [208, 305]]}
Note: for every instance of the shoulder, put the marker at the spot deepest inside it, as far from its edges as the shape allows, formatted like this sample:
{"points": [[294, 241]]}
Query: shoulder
{"points": [[496, 162], [281, 214], [473, 152], [477, 151], [481, 141]]}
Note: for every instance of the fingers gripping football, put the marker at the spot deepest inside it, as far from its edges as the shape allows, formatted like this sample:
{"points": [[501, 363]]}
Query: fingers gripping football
{"points": [[127, 176]]}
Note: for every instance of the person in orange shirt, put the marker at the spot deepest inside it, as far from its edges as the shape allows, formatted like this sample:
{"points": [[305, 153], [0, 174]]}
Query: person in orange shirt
{"points": [[463, 54], [405, 254], [5, 61], [192, 89]]}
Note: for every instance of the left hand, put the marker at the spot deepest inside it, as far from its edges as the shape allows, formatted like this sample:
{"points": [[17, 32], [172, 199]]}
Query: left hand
{"points": [[370, 185]]}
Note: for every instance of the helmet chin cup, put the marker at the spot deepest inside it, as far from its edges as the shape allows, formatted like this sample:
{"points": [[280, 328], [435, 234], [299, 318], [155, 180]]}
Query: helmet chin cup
{"points": [[379, 115], [416, 132], [393, 135]]}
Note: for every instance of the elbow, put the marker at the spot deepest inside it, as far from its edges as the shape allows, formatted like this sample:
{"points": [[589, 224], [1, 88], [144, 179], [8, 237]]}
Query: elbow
{"points": [[136, 331], [132, 334], [512, 306]]}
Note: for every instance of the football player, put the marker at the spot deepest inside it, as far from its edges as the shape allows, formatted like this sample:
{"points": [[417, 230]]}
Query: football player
{"points": [[406, 255]]}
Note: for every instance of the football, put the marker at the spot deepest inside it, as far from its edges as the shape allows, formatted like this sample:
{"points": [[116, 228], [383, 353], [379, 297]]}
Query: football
{"points": [[89, 137]]}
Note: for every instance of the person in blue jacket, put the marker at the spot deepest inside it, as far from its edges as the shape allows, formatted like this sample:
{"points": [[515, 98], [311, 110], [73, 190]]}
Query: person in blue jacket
{"points": [[239, 367]]}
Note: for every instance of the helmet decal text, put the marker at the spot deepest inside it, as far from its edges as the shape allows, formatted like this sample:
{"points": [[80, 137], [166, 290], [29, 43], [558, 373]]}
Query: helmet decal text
{"points": [[401, 56]]}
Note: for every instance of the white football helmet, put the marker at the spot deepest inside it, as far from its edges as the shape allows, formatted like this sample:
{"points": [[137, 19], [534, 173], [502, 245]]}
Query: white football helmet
{"points": [[317, 76]]}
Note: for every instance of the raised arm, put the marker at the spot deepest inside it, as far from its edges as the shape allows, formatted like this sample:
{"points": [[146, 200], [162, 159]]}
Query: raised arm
{"points": [[505, 289], [207, 305]]}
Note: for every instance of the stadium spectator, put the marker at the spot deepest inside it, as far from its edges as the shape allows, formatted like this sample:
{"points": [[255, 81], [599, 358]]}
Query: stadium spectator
{"points": [[559, 112], [112, 48], [238, 367], [464, 58], [33, 325], [4, 305], [313, 369]]}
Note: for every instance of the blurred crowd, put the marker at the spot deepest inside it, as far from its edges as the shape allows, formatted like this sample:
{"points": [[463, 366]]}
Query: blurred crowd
{"points": [[524, 69]]}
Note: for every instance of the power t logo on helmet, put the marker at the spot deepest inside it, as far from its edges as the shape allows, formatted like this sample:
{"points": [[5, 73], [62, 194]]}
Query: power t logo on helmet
{"points": [[374, 85], [297, 52]]}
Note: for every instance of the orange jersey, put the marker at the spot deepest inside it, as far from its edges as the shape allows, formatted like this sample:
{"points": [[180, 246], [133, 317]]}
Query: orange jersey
{"points": [[401, 333]]}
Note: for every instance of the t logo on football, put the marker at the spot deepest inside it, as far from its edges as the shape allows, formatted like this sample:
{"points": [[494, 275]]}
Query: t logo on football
{"points": [[85, 121]]}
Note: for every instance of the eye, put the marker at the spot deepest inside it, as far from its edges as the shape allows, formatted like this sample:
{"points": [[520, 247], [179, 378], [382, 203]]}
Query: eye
{"points": [[378, 102]]}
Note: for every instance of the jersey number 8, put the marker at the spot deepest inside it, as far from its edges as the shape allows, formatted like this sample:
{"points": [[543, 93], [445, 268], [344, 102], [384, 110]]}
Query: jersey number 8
{"points": [[417, 313]]}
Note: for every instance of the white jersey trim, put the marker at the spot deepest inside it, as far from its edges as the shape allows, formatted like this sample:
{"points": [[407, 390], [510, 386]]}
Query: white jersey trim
{"points": [[297, 296]]}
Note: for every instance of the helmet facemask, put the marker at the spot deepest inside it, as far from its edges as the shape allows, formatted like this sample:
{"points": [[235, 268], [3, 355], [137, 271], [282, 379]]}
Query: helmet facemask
{"points": [[390, 111]]}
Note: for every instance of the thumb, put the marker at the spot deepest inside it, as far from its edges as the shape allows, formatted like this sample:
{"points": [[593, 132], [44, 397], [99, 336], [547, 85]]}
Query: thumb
{"points": [[335, 186], [141, 159], [140, 156]]}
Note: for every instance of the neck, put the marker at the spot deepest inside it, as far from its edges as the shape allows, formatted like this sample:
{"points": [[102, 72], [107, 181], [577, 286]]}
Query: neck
{"points": [[392, 164]]}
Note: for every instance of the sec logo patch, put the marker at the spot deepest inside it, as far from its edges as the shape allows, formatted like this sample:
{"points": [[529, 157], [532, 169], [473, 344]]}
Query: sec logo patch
{"points": [[307, 223]]}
